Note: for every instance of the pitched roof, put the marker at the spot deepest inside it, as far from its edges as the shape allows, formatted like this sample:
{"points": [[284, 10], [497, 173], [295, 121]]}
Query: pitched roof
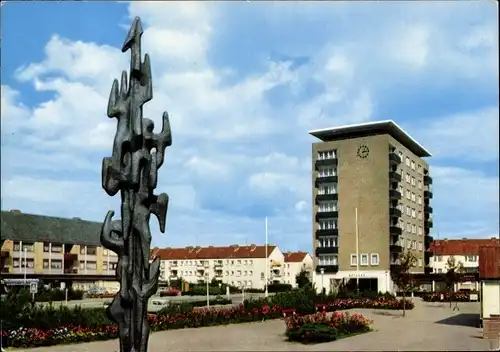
{"points": [[40, 228], [211, 252], [294, 257], [489, 262], [461, 247]]}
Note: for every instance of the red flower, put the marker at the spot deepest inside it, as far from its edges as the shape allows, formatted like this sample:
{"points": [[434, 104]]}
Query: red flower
{"points": [[265, 309]]}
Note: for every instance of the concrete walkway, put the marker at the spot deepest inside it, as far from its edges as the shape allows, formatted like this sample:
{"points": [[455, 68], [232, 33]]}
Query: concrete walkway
{"points": [[429, 327]]}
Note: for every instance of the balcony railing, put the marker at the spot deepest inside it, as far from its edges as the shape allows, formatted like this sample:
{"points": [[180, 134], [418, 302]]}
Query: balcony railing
{"points": [[427, 180], [428, 194], [395, 248], [327, 196], [395, 212], [395, 230], [326, 179], [394, 194], [71, 271], [326, 162], [327, 269], [394, 158], [428, 209], [327, 232], [326, 214], [394, 176], [327, 250]]}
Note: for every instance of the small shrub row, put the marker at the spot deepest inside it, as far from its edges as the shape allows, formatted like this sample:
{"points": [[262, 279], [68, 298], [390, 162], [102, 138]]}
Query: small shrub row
{"points": [[445, 297], [321, 327]]}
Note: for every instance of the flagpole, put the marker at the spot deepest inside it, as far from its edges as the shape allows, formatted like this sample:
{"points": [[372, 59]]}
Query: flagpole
{"points": [[267, 265], [357, 251]]}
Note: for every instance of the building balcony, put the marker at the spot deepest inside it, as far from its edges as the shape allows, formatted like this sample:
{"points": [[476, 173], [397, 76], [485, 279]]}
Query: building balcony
{"points": [[328, 196], [70, 270], [327, 232], [326, 214], [218, 264], [428, 194], [428, 223], [394, 159], [326, 179], [428, 209], [395, 230], [326, 162], [218, 274], [427, 180], [327, 269], [395, 213], [427, 257], [327, 250], [394, 177], [395, 248], [394, 194], [428, 240]]}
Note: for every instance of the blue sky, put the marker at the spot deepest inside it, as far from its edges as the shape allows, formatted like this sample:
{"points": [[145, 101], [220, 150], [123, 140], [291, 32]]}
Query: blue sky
{"points": [[243, 83]]}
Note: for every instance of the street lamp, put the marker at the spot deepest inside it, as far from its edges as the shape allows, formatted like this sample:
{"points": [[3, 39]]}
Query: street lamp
{"points": [[207, 277], [322, 272], [25, 263]]}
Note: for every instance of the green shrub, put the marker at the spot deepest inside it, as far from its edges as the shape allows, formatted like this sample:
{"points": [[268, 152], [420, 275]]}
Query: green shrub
{"points": [[312, 333], [279, 287]]}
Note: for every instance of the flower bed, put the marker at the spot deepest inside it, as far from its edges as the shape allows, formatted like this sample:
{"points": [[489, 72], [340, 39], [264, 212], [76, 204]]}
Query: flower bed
{"points": [[100, 295], [30, 337], [174, 317], [323, 327], [455, 297], [350, 303]]}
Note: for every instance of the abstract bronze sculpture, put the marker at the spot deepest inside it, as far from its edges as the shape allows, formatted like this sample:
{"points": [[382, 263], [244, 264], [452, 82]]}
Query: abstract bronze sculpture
{"points": [[132, 169]]}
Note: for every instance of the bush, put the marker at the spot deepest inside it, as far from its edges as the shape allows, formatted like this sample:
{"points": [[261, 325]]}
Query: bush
{"points": [[53, 295], [320, 327], [278, 287], [455, 297]]}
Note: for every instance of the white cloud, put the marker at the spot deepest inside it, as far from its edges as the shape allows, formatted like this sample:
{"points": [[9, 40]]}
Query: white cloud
{"points": [[232, 147], [470, 135]]}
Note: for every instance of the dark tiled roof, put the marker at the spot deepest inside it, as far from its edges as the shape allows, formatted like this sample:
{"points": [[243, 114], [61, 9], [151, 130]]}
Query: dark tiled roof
{"points": [[211, 252], [294, 257], [461, 247], [40, 228], [489, 262]]}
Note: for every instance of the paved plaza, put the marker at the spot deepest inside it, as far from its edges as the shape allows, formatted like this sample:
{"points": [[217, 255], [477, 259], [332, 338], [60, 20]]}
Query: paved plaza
{"points": [[429, 327]]}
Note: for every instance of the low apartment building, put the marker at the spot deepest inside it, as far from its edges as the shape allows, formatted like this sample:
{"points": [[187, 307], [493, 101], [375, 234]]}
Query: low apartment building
{"points": [[464, 251], [54, 249], [295, 262], [241, 266]]}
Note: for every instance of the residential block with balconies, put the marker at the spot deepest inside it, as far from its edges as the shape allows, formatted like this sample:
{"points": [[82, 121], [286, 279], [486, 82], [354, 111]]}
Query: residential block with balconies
{"points": [[51, 248], [371, 201], [241, 266]]}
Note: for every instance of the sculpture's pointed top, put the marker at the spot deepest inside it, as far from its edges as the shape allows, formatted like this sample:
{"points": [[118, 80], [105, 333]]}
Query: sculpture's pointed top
{"points": [[134, 33]]}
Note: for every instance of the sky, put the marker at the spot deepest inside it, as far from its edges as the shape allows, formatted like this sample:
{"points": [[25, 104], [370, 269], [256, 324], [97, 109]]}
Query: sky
{"points": [[243, 83]]}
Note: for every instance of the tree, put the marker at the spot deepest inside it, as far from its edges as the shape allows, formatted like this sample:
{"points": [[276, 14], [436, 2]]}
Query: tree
{"points": [[302, 279], [453, 269], [401, 276]]}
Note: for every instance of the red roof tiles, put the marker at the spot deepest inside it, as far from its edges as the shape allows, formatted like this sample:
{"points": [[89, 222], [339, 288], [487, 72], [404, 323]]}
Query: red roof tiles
{"points": [[294, 257], [211, 252], [489, 262], [461, 247]]}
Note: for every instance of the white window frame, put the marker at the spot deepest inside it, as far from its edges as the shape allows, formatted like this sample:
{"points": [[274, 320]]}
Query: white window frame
{"points": [[407, 161], [364, 256], [412, 165], [375, 262], [354, 260]]}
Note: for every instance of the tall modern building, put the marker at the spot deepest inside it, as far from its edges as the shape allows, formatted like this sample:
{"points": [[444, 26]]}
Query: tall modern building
{"points": [[371, 201]]}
